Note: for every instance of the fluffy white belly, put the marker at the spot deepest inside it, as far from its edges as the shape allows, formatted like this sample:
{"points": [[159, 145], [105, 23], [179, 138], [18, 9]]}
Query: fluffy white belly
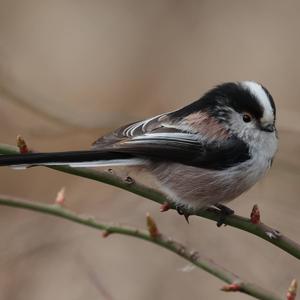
{"points": [[196, 188]]}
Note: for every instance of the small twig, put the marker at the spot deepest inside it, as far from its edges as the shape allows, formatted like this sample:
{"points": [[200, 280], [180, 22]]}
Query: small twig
{"points": [[192, 256], [261, 230], [94, 278]]}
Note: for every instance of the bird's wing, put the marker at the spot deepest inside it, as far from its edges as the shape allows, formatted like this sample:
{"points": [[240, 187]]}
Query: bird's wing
{"points": [[131, 130], [160, 138], [204, 144]]}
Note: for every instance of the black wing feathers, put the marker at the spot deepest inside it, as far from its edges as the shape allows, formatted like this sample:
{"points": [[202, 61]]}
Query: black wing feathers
{"points": [[158, 139], [155, 139], [214, 155], [60, 157]]}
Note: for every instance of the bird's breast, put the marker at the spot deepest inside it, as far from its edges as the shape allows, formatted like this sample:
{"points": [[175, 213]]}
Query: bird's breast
{"points": [[198, 187]]}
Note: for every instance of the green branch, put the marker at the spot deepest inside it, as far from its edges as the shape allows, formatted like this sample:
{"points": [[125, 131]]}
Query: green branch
{"points": [[261, 230], [235, 282]]}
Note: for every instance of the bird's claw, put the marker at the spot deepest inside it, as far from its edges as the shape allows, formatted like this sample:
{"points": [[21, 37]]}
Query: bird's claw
{"points": [[224, 212], [183, 213]]}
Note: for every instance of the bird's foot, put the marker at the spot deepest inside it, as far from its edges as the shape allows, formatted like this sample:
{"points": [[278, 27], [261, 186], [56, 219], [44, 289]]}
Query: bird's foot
{"points": [[224, 212], [184, 213]]}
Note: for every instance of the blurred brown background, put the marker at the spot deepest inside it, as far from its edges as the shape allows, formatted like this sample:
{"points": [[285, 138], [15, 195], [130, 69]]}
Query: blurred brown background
{"points": [[70, 71]]}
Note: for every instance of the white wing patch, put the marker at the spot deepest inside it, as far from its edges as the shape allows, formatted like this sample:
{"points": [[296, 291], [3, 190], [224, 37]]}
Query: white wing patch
{"points": [[130, 131], [187, 137], [257, 90], [89, 164]]}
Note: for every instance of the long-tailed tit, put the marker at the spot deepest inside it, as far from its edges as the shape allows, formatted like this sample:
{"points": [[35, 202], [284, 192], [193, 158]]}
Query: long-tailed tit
{"points": [[206, 153]]}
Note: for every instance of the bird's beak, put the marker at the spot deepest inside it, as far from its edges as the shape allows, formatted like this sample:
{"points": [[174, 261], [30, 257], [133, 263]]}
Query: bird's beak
{"points": [[268, 127]]}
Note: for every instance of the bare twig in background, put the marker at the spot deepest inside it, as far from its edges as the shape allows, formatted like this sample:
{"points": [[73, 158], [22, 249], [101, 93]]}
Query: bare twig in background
{"points": [[261, 230], [93, 278], [13, 96], [159, 239]]}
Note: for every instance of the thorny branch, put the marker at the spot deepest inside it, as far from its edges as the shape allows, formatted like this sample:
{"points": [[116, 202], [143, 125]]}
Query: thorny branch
{"points": [[235, 283], [154, 235]]}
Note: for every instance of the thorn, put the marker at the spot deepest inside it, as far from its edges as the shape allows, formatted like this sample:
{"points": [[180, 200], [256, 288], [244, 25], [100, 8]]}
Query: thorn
{"points": [[194, 255], [60, 197], [21, 144], [106, 233], [255, 215], [165, 207], [181, 249], [233, 287], [292, 291], [129, 180], [274, 234], [152, 228]]}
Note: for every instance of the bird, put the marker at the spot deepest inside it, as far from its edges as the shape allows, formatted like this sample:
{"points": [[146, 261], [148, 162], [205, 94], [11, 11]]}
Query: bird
{"points": [[204, 154]]}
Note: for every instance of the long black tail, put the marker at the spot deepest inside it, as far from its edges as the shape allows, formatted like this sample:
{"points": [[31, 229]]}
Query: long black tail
{"points": [[84, 158]]}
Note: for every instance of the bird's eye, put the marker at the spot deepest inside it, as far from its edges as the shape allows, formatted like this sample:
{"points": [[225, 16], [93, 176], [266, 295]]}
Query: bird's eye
{"points": [[247, 118]]}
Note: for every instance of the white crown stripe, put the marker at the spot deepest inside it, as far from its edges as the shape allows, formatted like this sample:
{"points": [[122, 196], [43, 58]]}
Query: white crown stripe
{"points": [[257, 91]]}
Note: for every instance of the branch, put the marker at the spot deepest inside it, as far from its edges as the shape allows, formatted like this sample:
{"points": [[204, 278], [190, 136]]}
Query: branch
{"points": [[234, 282], [261, 230]]}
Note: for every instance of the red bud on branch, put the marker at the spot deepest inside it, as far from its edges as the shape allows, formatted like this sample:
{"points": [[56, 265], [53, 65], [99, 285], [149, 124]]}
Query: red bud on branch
{"points": [[255, 215], [152, 228], [292, 291], [21, 144], [165, 207], [233, 287], [60, 197], [106, 233]]}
